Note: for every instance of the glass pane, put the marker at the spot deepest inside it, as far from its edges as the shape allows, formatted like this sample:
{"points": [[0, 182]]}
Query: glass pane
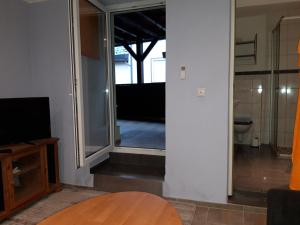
{"points": [[286, 111], [94, 77]]}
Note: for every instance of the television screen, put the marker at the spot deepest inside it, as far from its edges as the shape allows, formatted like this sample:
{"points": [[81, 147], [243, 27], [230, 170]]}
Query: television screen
{"points": [[24, 120]]}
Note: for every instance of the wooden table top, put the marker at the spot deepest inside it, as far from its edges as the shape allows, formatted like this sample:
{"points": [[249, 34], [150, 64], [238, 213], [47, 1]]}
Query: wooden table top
{"points": [[126, 208]]}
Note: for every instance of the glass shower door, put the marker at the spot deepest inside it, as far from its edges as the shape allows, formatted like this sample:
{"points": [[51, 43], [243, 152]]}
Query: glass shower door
{"points": [[275, 85], [285, 83]]}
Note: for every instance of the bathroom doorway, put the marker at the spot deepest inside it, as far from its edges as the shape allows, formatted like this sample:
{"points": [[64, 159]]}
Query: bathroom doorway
{"points": [[266, 86]]}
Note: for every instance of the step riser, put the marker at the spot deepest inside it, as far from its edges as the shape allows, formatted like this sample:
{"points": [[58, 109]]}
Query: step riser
{"points": [[109, 183], [137, 159]]}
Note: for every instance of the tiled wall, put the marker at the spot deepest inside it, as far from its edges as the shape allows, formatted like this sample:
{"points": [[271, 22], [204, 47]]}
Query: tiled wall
{"points": [[258, 107], [289, 37], [287, 105], [247, 28], [251, 102]]}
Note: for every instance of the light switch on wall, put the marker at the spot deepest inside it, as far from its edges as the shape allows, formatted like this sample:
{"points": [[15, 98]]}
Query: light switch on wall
{"points": [[182, 72], [201, 92]]}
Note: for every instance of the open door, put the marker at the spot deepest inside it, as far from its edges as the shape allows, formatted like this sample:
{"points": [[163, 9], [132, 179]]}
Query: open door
{"points": [[139, 69], [91, 80]]}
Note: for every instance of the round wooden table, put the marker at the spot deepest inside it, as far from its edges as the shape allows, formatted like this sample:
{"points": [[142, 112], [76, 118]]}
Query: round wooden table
{"points": [[126, 208]]}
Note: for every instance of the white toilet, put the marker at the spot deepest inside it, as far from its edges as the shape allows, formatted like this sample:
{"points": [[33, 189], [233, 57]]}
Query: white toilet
{"points": [[242, 126]]}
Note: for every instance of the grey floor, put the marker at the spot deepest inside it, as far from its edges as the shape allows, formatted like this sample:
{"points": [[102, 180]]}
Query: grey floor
{"points": [[139, 134]]}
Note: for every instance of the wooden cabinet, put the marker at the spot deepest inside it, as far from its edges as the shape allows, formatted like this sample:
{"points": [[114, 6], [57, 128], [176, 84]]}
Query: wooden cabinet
{"points": [[26, 176], [4, 186], [28, 172]]}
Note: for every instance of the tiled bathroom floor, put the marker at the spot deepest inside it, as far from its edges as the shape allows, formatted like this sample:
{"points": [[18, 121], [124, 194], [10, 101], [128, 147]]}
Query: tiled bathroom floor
{"points": [[259, 170]]}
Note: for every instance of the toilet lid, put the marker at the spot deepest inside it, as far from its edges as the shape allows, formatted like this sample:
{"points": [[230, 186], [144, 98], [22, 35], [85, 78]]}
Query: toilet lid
{"points": [[242, 121]]}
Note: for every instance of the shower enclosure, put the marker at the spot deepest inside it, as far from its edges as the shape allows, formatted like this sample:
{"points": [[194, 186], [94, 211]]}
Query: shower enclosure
{"points": [[285, 84]]}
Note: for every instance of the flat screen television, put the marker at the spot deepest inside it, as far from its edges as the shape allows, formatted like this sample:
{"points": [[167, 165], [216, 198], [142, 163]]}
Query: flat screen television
{"points": [[24, 120]]}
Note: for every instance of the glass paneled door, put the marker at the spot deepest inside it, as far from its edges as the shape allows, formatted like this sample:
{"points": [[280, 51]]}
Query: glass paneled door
{"points": [[94, 79]]}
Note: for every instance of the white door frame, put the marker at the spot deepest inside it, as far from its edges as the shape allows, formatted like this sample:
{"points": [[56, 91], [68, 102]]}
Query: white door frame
{"points": [[120, 8], [231, 100], [78, 89]]}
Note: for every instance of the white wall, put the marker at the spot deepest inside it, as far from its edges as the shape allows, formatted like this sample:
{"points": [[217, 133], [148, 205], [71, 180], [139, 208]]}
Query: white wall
{"points": [[51, 72], [198, 36], [14, 50]]}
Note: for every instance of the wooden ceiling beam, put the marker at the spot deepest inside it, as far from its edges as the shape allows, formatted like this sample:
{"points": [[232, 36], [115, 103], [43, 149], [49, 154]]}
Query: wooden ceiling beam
{"points": [[125, 31], [158, 25], [148, 50], [119, 38], [131, 52], [137, 26]]}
